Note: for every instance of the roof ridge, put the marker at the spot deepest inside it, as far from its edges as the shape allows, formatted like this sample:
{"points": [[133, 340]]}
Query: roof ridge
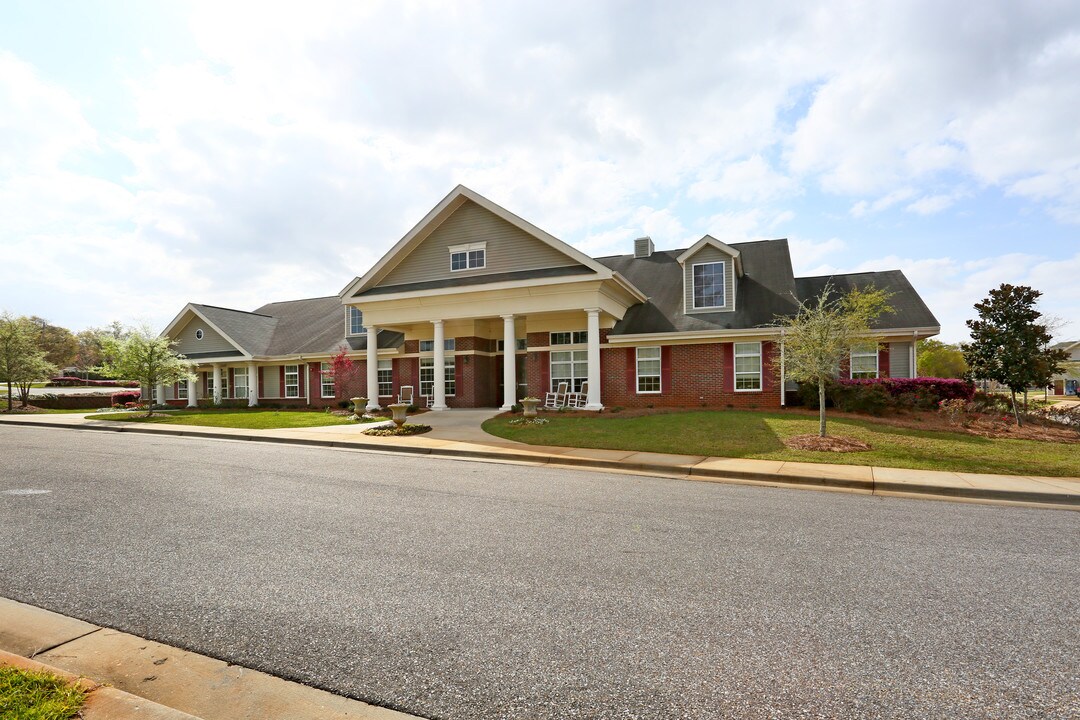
{"points": [[861, 272], [219, 307], [319, 297]]}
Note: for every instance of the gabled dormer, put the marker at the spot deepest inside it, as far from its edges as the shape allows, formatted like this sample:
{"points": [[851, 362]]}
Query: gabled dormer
{"points": [[710, 271]]}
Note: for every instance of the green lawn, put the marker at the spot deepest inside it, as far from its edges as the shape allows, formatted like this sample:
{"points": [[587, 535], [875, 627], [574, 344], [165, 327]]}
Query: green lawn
{"points": [[245, 419], [29, 695], [759, 435]]}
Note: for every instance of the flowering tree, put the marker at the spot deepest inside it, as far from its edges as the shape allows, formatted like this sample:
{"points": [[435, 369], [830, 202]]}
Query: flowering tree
{"points": [[345, 373], [22, 361], [147, 357], [820, 335]]}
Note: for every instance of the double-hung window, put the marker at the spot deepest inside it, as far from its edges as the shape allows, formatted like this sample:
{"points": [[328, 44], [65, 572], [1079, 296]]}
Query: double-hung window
{"points": [[292, 381], [181, 390], [648, 369], [356, 321], [386, 378], [468, 257], [427, 376], [571, 367], [327, 380], [240, 382], [708, 285], [747, 366], [864, 361]]}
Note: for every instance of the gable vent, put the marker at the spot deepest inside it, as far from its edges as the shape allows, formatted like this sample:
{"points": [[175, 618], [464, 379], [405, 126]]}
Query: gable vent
{"points": [[643, 247]]}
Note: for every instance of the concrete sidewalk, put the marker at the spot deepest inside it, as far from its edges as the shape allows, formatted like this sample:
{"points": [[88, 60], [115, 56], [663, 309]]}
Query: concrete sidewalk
{"points": [[457, 434], [158, 682]]}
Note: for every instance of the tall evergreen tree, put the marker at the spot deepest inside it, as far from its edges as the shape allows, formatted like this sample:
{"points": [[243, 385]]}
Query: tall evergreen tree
{"points": [[1009, 344]]}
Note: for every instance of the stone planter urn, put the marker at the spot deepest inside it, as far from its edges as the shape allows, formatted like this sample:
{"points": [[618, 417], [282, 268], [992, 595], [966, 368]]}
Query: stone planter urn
{"points": [[359, 405], [399, 413], [529, 406]]}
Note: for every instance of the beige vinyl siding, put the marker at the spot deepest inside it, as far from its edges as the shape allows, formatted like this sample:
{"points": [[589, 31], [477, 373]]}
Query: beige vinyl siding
{"points": [[509, 249], [709, 254], [271, 381], [900, 360], [211, 340]]}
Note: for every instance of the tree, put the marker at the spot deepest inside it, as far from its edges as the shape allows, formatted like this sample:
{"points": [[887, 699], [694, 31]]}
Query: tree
{"points": [[345, 373], [57, 342], [146, 357], [819, 337], [938, 359], [1009, 344], [21, 361]]}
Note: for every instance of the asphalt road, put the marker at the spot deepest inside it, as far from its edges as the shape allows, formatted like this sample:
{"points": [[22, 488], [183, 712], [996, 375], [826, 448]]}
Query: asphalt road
{"points": [[458, 589]]}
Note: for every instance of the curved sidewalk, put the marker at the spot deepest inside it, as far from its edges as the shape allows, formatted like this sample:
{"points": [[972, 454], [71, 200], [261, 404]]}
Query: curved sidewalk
{"points": [[457, 434]]}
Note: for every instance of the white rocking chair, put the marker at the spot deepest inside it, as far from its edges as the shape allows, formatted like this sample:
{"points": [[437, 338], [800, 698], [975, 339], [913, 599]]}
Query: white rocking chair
{"points": [[405, 394], [558, 398], [580, 398]]}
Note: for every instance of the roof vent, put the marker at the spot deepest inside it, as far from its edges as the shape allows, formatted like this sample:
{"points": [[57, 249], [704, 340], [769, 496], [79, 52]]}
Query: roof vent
{"points": [[643, 247]]}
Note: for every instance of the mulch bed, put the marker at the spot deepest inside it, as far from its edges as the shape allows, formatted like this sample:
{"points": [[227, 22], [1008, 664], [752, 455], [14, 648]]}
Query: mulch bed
{"points": [[829, 443], [406, 429], [17, 409]]}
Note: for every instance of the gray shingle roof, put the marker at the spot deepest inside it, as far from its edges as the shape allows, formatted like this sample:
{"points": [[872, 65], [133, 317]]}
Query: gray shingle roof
{"points": [[477, 280], [909, 310], [251, 330]]}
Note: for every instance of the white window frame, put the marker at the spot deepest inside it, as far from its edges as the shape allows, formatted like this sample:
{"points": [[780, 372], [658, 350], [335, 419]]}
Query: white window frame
{"points": [[326, 379], [576, 337], [199, 334], [386, 387], [294, 386], [864, 351], [470, 251], [723, 284], [449, 345], [427, 367], [240, 372], [747, 373], [354, 320], [577, 358], [638, 359], [181, 390]]}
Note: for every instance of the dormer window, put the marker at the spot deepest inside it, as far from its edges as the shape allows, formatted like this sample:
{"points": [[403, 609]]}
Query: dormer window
{"points": [[708, 285], [468, 257], [356, 321]]}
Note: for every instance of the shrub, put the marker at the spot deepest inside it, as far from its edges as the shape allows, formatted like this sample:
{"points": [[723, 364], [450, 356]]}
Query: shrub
{"points": [[125, 397], [871, 398]]}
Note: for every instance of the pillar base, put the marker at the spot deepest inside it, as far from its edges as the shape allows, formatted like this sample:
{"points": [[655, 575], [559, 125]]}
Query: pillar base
{"points": [[595, 408]]}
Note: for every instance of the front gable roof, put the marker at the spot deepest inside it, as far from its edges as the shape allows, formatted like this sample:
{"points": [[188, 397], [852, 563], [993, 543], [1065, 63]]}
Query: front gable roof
{"points": [[457, 198], [247, 332]]}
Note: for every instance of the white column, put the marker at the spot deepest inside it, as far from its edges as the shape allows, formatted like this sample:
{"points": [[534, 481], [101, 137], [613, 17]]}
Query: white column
{"points": [[193, 391], [217, 384], [373, 367], [439, 402], [161, 394], [592, 401], [509, 358], [253, 384]]}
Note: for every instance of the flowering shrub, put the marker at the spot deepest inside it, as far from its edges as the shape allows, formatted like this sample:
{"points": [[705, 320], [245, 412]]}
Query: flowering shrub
{"points": [[939, 388], [953, 409], [529, 421], [70, 380], [128, 396]]}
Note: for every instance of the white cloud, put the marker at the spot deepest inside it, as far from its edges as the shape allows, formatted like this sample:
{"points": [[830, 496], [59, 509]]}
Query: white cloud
{"points": [[930, 204], [750, 180], [864, 207]]}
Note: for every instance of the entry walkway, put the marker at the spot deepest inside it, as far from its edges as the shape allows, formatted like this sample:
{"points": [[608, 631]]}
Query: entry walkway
{"points": [[457, 433]]}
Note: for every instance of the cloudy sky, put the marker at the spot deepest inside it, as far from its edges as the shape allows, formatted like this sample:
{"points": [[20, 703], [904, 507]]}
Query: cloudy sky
{"points": [[234, 154]]}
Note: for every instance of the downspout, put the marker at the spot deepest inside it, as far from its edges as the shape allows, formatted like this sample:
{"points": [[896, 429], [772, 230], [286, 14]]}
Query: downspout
{"points": [[914, 353], [307, 379]]}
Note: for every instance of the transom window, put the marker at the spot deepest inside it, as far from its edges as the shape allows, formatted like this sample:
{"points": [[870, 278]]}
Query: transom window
{"points": [[468, 257], [747, 366], [519, 345], [648, 369], [864, 361], [577, 337], [427, 376], [386, 377], [569, 366], [709, 285], [356, 321], [429, 345], [327, 381], [292, 381]]}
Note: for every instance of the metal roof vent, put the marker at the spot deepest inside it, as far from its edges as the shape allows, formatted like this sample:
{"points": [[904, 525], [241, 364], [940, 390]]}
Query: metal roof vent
{"points": [[643, 247]]}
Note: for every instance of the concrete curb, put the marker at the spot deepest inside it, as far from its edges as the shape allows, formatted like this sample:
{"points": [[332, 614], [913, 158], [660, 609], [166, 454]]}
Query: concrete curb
{"points": [[873, 486], [102, 702], [151, 680]]}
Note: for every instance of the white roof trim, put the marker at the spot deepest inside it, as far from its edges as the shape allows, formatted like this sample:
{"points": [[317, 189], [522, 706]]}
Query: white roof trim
{"points": [[722, 247], [190, 307], [441, 212]]}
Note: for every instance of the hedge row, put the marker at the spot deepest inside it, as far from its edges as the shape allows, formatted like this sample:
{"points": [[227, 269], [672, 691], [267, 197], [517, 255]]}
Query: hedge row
{"points": [[128, 396], [939, 388], [69, 380]]}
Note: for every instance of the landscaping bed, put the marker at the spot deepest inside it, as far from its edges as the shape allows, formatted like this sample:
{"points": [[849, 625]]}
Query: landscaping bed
{"points": [[918, 440], [254, 419]]}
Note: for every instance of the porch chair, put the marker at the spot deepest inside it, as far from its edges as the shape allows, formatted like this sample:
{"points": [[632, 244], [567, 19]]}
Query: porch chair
{"points": [[558, 398], [580, 398], [405, 394]]}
